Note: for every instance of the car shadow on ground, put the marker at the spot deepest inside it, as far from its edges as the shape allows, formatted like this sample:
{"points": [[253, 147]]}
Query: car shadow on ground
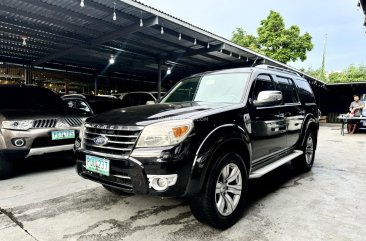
{"points": [[44, 163], [272, 182]]}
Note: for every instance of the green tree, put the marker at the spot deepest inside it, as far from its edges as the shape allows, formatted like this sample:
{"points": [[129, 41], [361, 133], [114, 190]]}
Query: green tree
{"points": [[275, 41], [316, 73], [354, 73]]}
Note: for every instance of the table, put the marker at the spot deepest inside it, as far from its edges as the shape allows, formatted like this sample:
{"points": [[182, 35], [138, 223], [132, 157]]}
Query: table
{"points": [[346, 118]]}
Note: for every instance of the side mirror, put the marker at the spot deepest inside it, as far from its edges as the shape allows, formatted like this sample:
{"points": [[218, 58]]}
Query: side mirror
{"points": [[268, 98], [150, 102]]}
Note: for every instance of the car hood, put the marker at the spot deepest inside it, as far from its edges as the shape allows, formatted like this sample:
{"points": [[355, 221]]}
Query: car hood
{"points": [[148, 114], [11, 114]]}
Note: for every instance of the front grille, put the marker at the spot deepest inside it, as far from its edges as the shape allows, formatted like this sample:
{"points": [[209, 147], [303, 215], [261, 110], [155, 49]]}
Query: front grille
{"points": [[121, 139], [73, 121], [45, 123], [50, 123]]}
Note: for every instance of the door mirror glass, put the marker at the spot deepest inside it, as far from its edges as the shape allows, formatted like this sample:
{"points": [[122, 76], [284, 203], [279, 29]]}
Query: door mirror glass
{"points": [[268, 98], [150, 102]]}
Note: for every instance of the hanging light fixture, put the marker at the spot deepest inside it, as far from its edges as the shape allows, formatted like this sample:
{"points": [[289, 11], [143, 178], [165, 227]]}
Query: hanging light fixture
{"points": [[82, 3], [162, 28], [195, 41], [141, 22], [112, 60], [114, 12], [239, 57], [169, 71], [180, 35], [24, 43], [208, 45], [231, 54], [247, 59]]}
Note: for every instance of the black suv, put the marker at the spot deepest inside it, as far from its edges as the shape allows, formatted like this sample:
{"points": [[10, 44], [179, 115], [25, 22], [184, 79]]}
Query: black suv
{"points": [[34, 121], [92, 104], [205, 139]]}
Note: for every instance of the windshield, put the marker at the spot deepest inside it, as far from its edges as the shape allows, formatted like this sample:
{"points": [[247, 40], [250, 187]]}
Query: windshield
{"points": [[217, 88]]}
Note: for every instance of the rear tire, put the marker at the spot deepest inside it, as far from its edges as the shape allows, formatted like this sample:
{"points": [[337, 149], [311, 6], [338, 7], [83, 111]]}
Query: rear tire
{"points": [[6, 168], [221, 202], [305, 162], [117, 191]]}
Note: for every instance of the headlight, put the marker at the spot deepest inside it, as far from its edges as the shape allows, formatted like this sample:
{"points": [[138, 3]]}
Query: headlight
{"points": [[165, 133], [18, 125]]}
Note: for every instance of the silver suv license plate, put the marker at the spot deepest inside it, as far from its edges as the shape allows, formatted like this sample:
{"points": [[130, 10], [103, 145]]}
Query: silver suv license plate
{"points": [[97, 164], [62, 135]]}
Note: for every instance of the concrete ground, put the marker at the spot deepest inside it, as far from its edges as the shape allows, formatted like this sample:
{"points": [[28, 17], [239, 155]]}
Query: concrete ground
{"points": [[48, 201]]}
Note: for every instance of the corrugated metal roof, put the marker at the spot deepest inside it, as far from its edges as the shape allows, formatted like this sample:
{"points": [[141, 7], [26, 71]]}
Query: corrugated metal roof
{"points": [[60, 32]]}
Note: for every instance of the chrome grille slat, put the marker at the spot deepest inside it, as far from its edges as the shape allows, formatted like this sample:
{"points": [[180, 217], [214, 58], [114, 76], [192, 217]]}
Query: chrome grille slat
{"points": [[44, 123], [121, 139], [73, 121], [124, 136], [111, 148], [115, 142]]}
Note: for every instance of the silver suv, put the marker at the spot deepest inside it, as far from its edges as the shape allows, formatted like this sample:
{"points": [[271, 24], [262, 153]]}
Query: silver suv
{"points": [[34, 121]]}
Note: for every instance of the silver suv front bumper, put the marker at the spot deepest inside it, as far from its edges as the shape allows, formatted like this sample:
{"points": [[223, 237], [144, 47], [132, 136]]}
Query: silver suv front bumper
{"points": [[37, 141]]}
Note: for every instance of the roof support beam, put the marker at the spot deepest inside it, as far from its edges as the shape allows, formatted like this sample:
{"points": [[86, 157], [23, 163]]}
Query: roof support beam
{"points": [[102, 39], [194, 52]]}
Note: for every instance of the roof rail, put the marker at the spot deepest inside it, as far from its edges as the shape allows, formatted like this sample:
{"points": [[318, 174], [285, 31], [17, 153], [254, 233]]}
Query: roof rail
{"points": [[265, 66]]}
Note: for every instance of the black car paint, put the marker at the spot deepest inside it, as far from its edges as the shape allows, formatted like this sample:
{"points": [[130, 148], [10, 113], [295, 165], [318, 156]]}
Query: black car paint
{"points": [[217, 127]]}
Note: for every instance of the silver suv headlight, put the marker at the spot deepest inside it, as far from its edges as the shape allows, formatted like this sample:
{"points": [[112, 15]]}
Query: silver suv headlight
{"points": [[165, 133], [17, 125]]}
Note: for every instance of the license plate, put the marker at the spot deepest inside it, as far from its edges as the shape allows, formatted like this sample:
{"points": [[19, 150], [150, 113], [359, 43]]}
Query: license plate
{"points": [[62, 135], [97, 164]]}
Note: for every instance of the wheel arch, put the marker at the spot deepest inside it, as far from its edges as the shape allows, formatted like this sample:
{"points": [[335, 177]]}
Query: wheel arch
{"points": [[222, 139]]}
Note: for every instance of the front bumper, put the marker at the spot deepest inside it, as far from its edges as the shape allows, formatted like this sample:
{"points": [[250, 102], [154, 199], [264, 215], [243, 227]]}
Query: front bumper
{"points": [[37, 142], [131, 174]]}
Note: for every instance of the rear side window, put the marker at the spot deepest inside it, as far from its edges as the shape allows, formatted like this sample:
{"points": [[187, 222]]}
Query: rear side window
{"points": [[288, 89], [305, 91]]}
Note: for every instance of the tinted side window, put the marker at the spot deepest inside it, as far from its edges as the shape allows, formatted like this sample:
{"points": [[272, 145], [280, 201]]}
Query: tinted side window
{"points": [[288, 90], [305, 91], [262, 83]]}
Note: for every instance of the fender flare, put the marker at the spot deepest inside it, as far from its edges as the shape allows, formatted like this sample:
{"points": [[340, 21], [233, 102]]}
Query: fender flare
{"points": [[218, 138], [308, 121]]}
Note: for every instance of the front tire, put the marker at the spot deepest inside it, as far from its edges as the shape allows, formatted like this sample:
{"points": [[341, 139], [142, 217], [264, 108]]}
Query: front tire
{"points": [[6, 168], [117, 191], [305, 162], [221, 203]]}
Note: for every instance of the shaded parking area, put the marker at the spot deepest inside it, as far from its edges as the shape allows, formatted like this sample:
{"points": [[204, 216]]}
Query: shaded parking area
{"points": [[329, 203]]}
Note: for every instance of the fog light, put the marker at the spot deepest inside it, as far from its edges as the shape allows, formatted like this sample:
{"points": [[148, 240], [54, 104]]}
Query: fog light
{"points": [[162, 182], [77, 144], [18, 142]]}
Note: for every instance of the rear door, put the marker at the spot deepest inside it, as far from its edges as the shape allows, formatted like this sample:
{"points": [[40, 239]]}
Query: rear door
{"points": [[268, 123], [293, 110]]}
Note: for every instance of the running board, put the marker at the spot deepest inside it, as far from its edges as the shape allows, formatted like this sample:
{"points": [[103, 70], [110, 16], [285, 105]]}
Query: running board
{"points": [[266, 169]]}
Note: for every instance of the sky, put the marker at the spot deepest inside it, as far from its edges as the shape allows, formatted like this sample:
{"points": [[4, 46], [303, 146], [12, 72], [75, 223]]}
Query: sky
{"points": [[341, 20]]}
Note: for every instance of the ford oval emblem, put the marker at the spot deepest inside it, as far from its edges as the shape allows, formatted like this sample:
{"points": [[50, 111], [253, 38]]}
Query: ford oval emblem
{"points": [[100, 140]]}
